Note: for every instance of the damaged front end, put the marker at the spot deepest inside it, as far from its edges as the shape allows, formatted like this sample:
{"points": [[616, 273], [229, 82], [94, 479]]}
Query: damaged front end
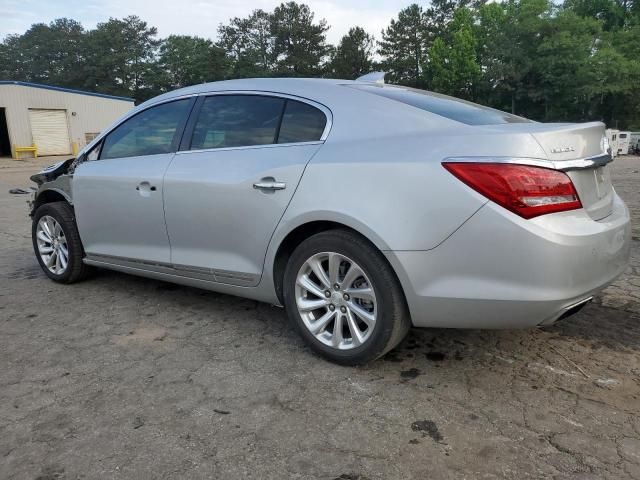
{"points": [[54, 184]]}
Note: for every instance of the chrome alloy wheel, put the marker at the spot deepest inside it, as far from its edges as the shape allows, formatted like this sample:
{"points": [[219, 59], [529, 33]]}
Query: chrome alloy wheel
{"points": [[336, 300], [52, 245]]}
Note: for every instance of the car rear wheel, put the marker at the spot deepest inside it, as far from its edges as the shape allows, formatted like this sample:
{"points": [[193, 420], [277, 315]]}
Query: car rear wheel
{"points": [[57, 244], [344, 298]]}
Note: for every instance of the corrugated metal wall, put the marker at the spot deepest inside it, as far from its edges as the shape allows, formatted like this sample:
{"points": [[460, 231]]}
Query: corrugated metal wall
{"points": [[92, 114]]}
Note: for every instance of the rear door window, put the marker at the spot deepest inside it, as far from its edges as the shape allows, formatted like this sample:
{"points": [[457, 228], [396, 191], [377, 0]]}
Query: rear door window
{"points": [[301, 123], [237, 121], [249, 120]]}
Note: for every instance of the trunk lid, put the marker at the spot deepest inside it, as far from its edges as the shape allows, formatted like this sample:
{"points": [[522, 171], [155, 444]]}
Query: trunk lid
{"points": [[569, 141]]}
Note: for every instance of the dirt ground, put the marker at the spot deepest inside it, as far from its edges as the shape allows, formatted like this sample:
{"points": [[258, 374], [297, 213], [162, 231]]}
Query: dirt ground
{"points": [[127, 378]]}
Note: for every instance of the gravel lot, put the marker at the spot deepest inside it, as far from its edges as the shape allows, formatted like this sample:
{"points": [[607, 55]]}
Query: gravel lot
{"points": [[123, 377]]}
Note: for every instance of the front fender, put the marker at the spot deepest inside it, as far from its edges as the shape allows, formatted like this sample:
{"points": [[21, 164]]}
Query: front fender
{"points": [[58, 189]]}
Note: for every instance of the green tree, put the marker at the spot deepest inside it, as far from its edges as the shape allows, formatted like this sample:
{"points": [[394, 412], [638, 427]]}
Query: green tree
{"points": [[353, 56], [45, 54], [509, 35], [571, 62], [121, 58], [12, 59], [453, 68], [404, 47], [185, 60], [299, 44], [248, 42], [438, 73], [610, 12], [615, 71], [440, 14], [564, 63]]}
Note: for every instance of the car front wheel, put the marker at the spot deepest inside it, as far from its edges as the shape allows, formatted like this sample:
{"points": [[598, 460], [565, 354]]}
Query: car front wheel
{"points": [[57, 244], [344, 298]]}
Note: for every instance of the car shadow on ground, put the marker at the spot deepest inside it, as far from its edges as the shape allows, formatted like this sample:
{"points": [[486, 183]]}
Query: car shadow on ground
{"points": [[595, 326], [605, 327]]}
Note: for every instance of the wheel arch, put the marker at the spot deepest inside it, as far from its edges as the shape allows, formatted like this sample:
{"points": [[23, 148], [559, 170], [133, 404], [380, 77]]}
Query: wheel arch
{"points": [[49, 195], [296, 234]]}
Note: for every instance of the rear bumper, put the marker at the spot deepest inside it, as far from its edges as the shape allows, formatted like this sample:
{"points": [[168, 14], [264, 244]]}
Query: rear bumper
{"points": [[501, 271]]}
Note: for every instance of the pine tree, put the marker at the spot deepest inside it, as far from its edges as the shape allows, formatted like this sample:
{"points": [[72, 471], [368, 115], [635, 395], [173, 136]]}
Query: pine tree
{"points": [[186, 60], [404, 47], [249, 44], [299, 44], [353, 57], [453, 68]]}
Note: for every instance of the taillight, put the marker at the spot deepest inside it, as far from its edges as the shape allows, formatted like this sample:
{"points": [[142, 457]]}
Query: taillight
{"points": [[525, 190]]}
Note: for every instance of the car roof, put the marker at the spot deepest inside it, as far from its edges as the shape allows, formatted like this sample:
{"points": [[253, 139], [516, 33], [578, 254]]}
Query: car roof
{"points": [[322, 90], [355, 113]]}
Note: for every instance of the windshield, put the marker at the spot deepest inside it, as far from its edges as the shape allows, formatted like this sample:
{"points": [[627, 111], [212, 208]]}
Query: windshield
{"points": [[443, 105]]}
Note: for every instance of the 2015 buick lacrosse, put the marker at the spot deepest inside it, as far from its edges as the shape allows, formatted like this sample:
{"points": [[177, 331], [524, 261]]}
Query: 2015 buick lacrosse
{"points": [[362, 208]]}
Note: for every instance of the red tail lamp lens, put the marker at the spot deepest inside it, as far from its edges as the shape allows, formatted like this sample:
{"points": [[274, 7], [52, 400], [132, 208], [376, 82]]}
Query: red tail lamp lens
{"points": [[522, 189]]}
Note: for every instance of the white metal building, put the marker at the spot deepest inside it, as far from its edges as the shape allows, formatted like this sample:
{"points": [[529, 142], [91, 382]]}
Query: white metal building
{"points": [[56, 120]]}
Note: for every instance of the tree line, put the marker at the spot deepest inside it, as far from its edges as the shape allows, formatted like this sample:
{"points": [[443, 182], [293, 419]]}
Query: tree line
{"points": [[575, 61]]}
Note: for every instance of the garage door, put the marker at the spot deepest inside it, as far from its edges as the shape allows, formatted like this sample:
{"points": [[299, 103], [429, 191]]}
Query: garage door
{"points": [[50, 132]]}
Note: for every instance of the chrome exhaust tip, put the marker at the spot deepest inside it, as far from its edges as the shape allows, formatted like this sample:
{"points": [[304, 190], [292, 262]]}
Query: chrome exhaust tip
{"points": [[574, 308]]}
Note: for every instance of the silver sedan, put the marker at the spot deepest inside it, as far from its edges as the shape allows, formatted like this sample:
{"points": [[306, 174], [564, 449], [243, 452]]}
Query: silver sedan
{"points": [[362, 208]]}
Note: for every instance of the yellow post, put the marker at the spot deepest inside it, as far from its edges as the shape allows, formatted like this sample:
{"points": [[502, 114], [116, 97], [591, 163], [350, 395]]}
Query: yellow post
{"points": [[74, 148]]}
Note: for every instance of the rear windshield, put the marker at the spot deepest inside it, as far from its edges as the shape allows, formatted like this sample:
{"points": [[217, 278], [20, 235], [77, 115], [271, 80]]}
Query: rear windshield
{"points": [[448, 107]]}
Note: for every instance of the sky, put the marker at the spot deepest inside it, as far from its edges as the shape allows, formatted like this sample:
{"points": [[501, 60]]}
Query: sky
{"points": [[194, 17]]}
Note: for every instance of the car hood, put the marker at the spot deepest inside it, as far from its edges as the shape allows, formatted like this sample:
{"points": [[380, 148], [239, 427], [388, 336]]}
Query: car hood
{"points": [[50, 173]]}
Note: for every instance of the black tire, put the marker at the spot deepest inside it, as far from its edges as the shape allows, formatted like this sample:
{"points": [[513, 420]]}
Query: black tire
{"points": [[393, 321], [62, 212]]}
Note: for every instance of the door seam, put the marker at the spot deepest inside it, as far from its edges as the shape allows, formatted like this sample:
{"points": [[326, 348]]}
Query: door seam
{"points": [[264, 260]]}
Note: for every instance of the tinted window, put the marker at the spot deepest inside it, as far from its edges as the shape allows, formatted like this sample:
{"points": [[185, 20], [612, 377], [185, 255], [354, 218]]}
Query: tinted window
{"points": [[237, 121], [150, 132], [301, 123], [443, 105]]}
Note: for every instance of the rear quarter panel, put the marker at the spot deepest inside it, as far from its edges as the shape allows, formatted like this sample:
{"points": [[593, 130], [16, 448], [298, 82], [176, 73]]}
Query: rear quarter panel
{"points": [[394, 190]]}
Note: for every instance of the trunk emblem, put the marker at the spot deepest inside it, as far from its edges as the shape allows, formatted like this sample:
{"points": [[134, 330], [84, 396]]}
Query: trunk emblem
{"points": [[563, 150]]}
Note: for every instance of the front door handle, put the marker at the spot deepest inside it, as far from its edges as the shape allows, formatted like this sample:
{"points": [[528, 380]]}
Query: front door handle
{"points": [[269, 184]]}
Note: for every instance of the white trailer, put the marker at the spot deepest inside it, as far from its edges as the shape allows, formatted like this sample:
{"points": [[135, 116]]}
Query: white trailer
{"points": [[612, 136], [634, 143], [623, 143]]}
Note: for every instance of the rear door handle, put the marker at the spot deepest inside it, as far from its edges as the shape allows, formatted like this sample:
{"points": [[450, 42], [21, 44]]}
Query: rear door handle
{"points": [[265, 184], [145, 188]]}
